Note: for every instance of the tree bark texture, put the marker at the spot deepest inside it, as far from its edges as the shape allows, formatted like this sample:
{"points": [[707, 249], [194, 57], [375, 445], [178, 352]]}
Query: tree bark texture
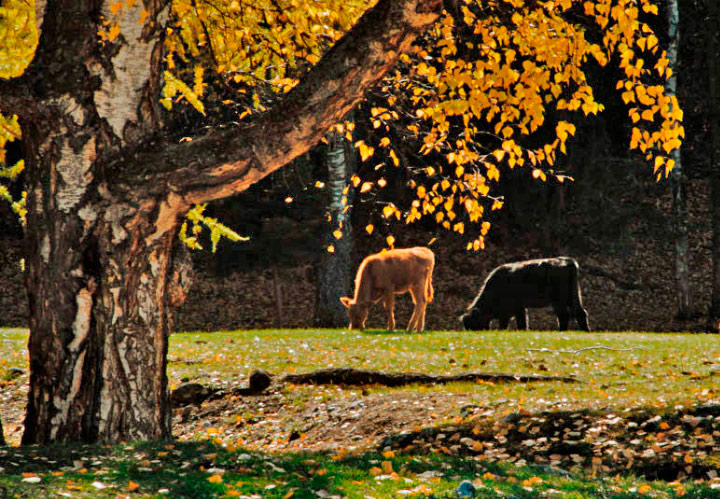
{"points": [[679, 218], [106, 192], [713, 46], [335, 273]]}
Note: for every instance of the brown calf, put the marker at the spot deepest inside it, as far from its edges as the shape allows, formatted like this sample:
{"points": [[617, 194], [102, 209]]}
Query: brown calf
{"points": [[383, 275]]}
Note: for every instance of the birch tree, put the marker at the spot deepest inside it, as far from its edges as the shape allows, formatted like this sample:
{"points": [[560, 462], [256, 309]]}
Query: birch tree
{"points": [[335, 274], [106, 193]]}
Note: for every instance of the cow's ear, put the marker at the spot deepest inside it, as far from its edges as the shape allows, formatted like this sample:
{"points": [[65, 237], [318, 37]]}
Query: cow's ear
{"points": [[345, 301]]}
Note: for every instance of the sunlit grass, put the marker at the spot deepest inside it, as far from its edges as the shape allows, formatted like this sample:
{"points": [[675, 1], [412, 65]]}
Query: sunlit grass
{"points": [[644, 368]]}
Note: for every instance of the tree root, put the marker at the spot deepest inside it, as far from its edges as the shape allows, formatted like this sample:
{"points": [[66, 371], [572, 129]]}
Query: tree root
{"points": [[194, 393], [350, 376]]}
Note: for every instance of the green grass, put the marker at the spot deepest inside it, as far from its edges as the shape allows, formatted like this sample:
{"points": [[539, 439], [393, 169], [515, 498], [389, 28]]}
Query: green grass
{"points": [[661, 368], [202, 470], [656, 371]]}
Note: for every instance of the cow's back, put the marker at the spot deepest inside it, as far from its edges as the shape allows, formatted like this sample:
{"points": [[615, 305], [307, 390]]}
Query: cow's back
{"points": [[533, 283], [398, 269]]}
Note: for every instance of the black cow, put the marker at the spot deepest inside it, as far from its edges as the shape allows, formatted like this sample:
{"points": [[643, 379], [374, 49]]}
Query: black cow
{"points": [[512, 288]]}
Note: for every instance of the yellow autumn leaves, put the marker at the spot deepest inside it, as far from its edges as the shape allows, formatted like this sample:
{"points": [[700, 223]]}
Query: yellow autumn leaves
{"points": [[18, 37], [471, 100], [469, 93], [256, 45]]}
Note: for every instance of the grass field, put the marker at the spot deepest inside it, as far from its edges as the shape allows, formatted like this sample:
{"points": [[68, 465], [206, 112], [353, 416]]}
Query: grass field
{"points": [[241, 447], [646, 368]]}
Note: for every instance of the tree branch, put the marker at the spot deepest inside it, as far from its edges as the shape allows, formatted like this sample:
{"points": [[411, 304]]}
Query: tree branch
{"points": [[229, 161], [13, 96]]}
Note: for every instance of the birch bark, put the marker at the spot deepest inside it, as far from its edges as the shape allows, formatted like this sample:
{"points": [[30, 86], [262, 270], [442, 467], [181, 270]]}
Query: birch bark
{"points": [[679, 218], [334, 279]]}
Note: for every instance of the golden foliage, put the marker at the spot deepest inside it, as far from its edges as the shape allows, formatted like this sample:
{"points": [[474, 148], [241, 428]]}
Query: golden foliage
{"points": [[483, 83], [499, 84], [18, 36]]}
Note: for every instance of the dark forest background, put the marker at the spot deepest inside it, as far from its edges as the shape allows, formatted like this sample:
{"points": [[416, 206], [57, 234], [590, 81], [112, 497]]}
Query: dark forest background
{"points": [[614, 218]]}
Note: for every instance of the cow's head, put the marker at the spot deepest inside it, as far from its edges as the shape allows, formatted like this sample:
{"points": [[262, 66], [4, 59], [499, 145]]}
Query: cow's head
{"points": [[357, 312], [474, 320]]}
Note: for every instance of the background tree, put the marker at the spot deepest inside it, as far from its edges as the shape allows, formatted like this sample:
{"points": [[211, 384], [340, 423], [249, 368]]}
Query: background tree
{"points": [[712, 45], [679, 222], [335, 275], [449, 97], [110, 175]]}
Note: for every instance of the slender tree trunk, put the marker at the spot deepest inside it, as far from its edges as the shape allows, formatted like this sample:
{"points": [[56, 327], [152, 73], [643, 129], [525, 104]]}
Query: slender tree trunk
{"points": [[335, 272], [2, 434], [713, 52], [277, 298], [679, 218]]}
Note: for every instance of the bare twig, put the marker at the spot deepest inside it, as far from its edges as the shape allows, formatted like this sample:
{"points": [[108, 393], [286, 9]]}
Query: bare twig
{"points": [[597, 347]]}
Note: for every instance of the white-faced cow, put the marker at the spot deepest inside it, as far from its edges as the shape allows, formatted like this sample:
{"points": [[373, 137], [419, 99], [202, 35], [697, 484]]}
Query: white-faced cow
{"points": [[512, 288], [383, 275]]}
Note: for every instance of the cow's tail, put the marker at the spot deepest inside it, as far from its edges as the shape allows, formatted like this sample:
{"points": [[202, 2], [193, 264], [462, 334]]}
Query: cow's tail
{"points": [[576, 298], [575, 293], [429, 292]]}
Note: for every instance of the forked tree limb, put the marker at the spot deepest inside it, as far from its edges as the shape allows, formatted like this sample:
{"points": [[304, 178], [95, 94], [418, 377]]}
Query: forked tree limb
{"points": [[358, 377], [227, 161]]}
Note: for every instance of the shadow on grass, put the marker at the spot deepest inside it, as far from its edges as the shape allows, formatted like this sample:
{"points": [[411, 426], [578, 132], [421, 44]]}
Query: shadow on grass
{"points": [[205, 470]]}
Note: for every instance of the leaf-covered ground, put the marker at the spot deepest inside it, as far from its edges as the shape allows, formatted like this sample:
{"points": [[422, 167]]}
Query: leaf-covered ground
{"points": [[647, 406], [205, 470]]}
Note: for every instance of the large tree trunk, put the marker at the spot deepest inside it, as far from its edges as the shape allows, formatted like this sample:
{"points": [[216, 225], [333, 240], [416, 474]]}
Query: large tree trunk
{"points": [[99, 306], [713, 52], [106, 191], [679, 218], [335, 273], [98, 252]]}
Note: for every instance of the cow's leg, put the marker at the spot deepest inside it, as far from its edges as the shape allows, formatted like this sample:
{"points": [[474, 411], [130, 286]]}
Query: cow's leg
{"points": [[426, 291], [521, 319], [582, 318], [389, 303], [563, 315], [417, 321], [420, 326], [504, 321], [413, 317], [563, 319]]}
